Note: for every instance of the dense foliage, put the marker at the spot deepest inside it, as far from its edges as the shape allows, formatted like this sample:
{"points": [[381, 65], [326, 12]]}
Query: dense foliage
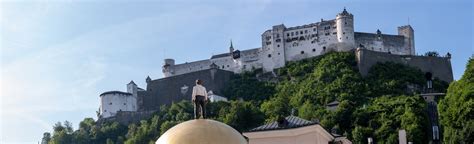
{"points": [[247, 87], [386, 115], [457, 109], [376, 106], [241, 115]]}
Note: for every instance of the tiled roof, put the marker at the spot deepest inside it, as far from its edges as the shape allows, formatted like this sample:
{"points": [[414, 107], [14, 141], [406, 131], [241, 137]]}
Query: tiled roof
{"points": [[334, 103], [293, 122], [220, 55], [115, 92], [228, 54]]}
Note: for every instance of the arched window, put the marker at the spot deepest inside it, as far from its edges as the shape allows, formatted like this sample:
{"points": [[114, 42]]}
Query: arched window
{"points": [[302, 52]]}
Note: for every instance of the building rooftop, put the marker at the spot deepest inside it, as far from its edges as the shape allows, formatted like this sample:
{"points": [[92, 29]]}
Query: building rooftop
{"points": [[115, 92], [220, 55], [291, 122]]}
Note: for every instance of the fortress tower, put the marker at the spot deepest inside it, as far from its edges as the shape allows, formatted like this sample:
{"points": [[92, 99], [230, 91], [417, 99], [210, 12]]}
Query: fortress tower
{"points": [[166, 67], [409, 34], [273, 48], [132, 88], [345, 29]]}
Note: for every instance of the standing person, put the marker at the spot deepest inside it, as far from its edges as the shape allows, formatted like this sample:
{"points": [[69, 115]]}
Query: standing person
{"points": [[199, 99]]}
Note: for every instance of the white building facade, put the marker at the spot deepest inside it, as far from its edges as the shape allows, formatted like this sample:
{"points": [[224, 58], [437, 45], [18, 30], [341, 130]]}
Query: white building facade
{"points": [[112, 102], [283, 44], [215, 98]]}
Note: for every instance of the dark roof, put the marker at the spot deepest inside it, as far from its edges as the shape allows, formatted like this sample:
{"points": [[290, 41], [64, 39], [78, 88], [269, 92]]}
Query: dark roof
{"points": [[293, 122], [220, 55], [334, 103], [115, 92], [228, 54]]}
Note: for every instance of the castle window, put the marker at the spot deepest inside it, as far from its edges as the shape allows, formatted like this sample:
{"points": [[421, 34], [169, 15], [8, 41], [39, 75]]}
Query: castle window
{"points": [[278, 35], [105, 110], [288, 34], [345, 23], [278, 40], [278, 45], [269, 55], [334, 33], [124, 103], [302, 52], [347, 37], [110, 103], [223, 66], [301, 32], [314, 50], [295, 44], [227, 65], [278, 53], [314, 29], [292, 33], [343, 32], [305, 31], [296, 33], [324, 48], [326, 34]]}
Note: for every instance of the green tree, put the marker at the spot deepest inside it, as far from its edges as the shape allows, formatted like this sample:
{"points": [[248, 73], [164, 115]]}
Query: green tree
{"points": [[62, 134], [387, 114], [46, 138], [457, 109], [242, 115], [247, 87]]}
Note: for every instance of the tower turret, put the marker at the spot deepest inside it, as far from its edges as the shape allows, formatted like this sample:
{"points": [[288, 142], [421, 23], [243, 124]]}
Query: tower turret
{"points": [[345, 28], [409, 34], [148, 79], [132, 88], [166, 69], [231, 48]]}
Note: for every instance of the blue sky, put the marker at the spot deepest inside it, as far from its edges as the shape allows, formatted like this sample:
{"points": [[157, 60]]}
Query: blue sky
{"points": [[57, 56]]}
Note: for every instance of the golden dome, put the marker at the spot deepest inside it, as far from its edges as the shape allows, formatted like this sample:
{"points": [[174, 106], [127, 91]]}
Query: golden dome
{"points": [[201, 131]]}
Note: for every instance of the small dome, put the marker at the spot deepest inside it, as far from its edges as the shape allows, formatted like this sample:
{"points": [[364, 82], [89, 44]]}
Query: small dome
{"points": [[201, 131]]}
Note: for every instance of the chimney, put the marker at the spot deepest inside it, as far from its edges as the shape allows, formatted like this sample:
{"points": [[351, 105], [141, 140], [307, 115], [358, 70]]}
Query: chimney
{"points": [[282, 122]]}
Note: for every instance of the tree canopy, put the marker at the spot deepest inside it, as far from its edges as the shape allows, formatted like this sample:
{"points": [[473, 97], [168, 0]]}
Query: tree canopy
{"points": [[457, 108]]}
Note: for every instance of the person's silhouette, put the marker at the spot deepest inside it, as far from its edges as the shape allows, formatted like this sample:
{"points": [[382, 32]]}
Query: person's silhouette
{"points": [[199, 99]]}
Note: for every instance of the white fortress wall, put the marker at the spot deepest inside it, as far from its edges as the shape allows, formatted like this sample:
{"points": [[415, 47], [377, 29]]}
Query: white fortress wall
{"points": [[394, 44], [190, 67], [111, 103], [250, 59]]}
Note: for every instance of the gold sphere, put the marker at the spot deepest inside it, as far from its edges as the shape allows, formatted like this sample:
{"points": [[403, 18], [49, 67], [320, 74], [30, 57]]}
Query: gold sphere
{"points": [[201, 131]]}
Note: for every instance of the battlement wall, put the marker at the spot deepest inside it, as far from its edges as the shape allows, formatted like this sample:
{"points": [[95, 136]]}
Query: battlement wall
{"points": [[179, 87], [440, 67], [395, 44], [127, 117]]}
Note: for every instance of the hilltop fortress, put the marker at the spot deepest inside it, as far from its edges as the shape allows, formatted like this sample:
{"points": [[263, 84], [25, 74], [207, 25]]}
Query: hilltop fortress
{"points": [[280, 45], [283, 44]]}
